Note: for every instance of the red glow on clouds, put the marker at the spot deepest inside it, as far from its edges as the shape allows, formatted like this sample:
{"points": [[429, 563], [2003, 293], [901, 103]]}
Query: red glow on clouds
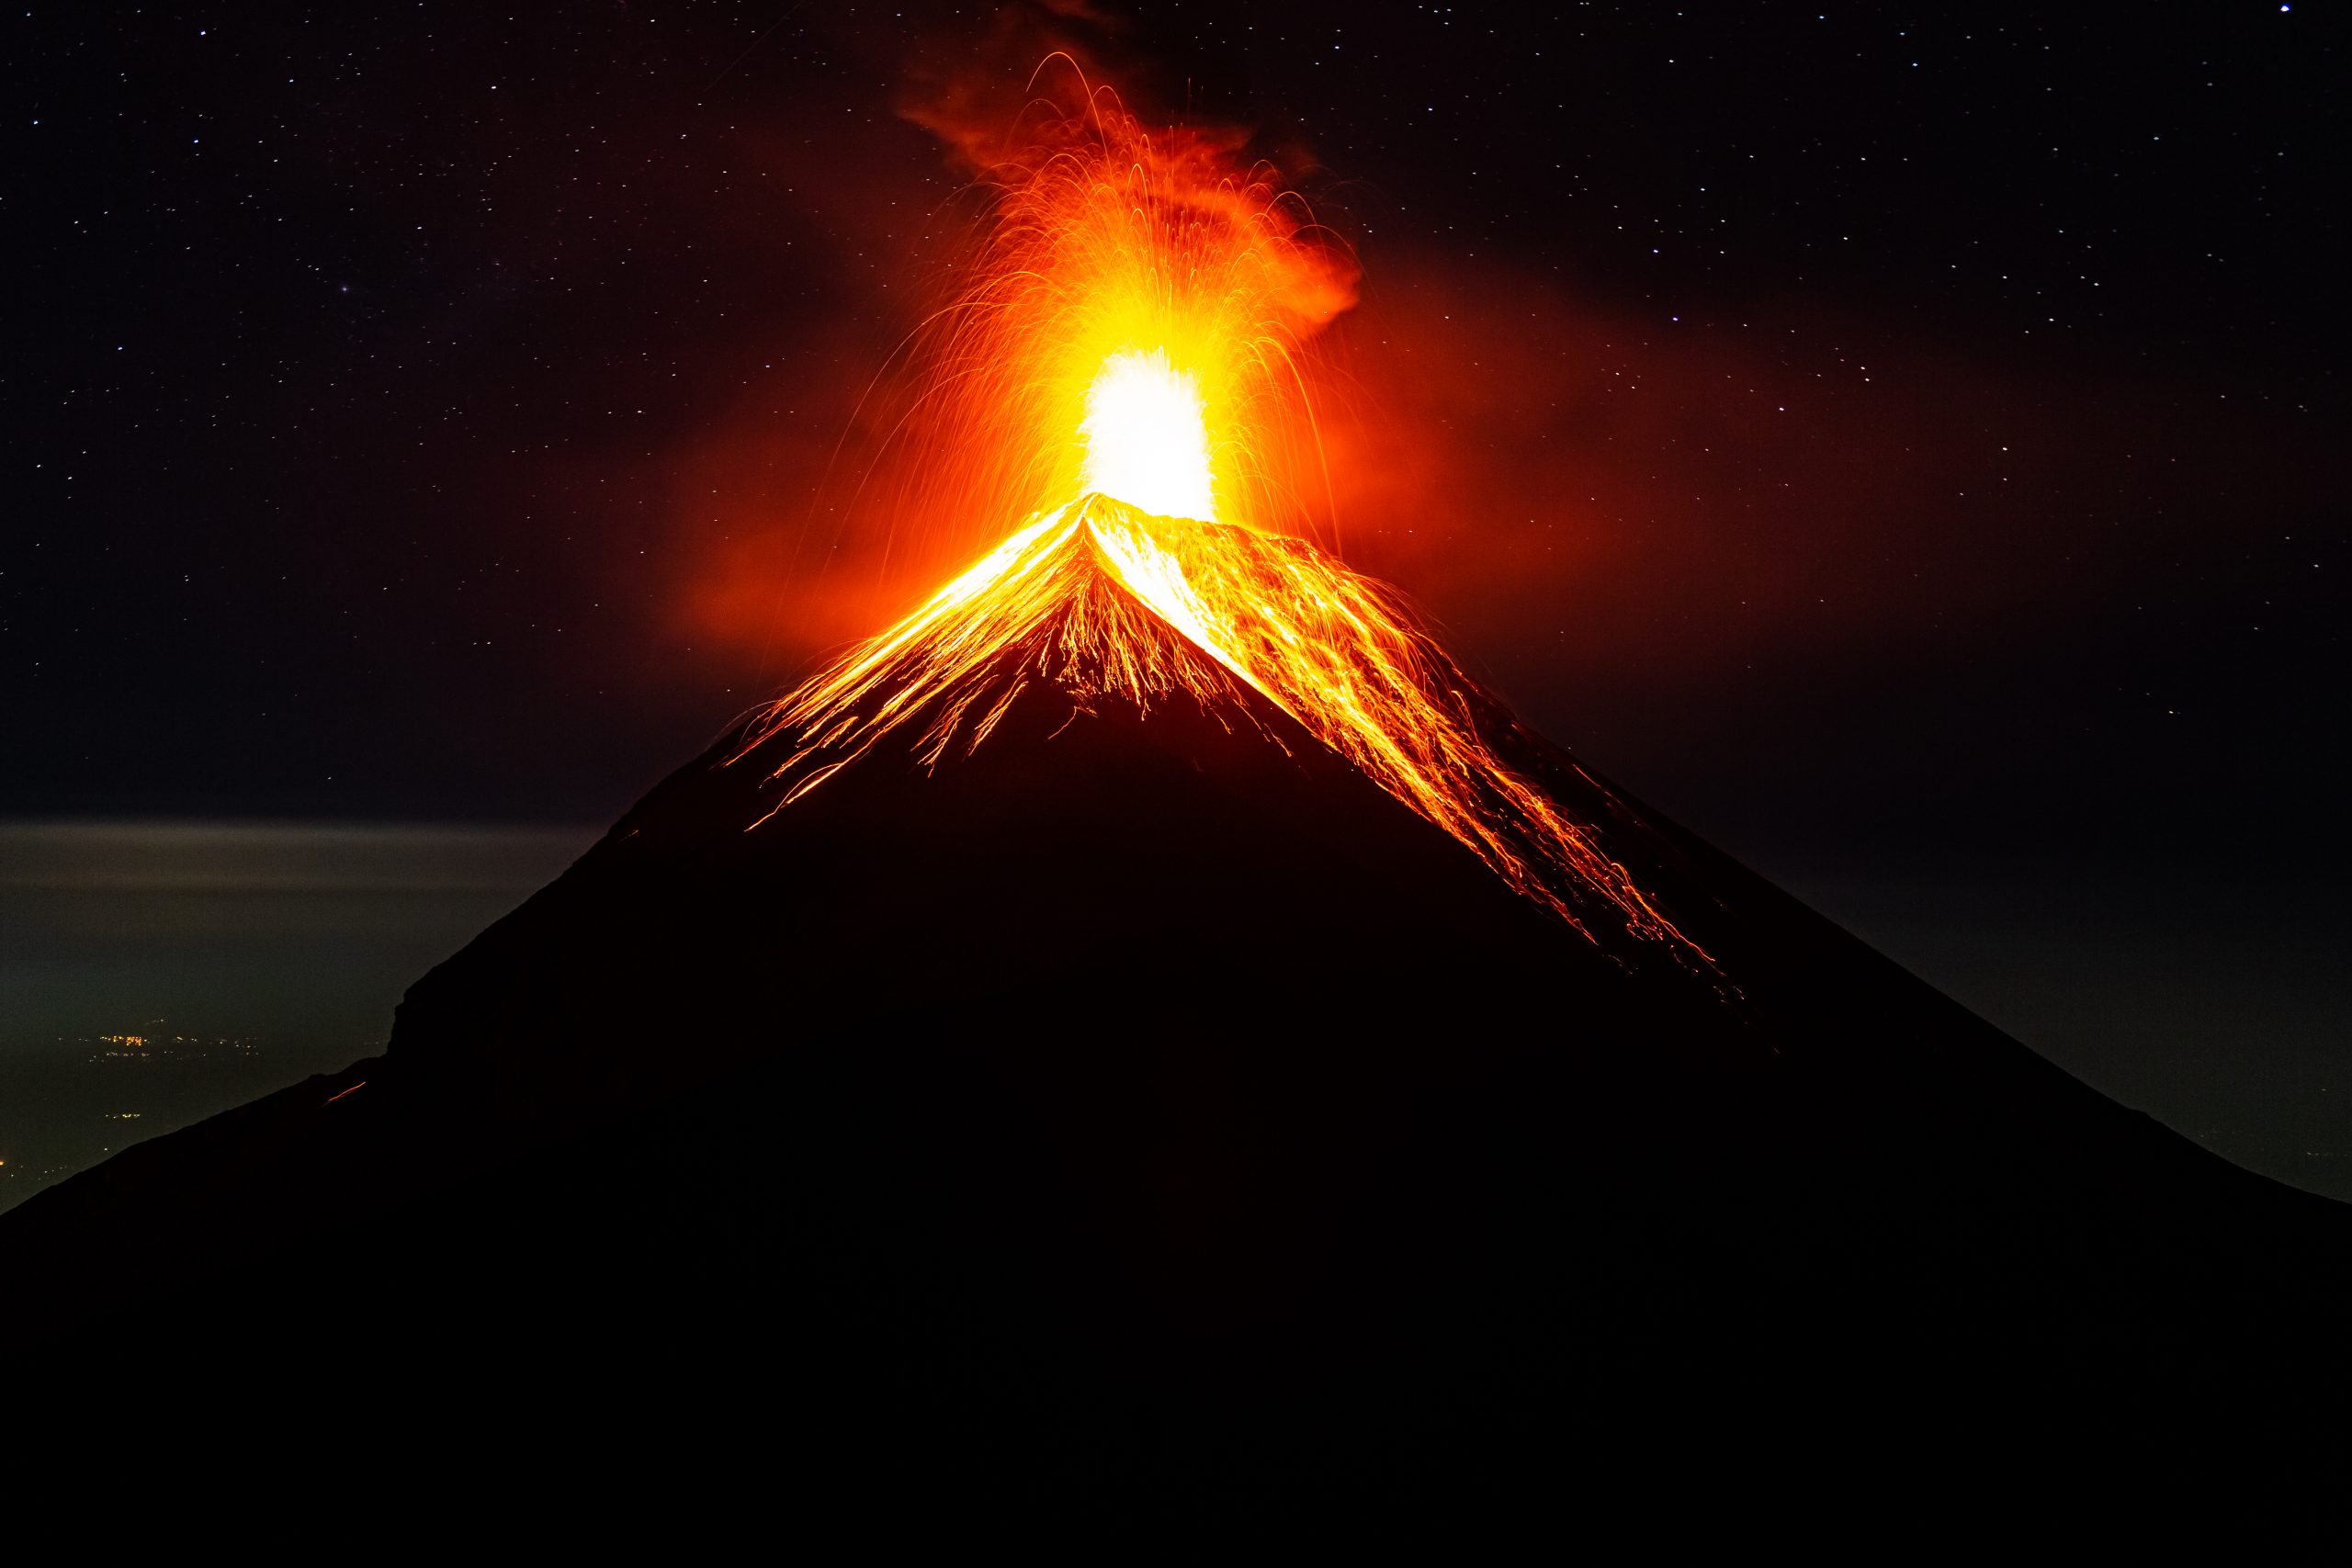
{"points": [[1620, 505], [1657, 500]]}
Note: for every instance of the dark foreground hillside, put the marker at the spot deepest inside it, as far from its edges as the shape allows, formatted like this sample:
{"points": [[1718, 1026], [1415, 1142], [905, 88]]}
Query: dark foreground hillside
{"points": [[1143, 1117]]}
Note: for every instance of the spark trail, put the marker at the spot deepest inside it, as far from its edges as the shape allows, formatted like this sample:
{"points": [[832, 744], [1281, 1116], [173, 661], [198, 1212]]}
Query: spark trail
{"points": [[1130, 354]]}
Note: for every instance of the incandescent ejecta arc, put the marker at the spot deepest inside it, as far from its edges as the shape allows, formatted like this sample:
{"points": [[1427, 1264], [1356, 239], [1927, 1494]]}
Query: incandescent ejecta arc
{"points": [[1138, 321]]}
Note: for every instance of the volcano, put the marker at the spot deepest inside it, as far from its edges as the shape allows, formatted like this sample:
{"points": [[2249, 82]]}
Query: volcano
{"points": [[1035, 1062], [1147, 1039]]}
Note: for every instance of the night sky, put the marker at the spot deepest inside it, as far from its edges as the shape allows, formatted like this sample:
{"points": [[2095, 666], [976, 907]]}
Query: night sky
{"points": [[1899, 442]]}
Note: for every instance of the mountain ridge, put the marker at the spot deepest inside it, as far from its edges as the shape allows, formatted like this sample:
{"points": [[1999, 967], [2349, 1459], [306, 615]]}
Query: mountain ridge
{"points": [[1150, 1069]]}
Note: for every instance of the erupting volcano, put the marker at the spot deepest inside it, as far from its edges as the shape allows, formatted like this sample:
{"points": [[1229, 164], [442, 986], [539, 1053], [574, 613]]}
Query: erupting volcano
{"points": [[1146, 1034], [1160, 568]]}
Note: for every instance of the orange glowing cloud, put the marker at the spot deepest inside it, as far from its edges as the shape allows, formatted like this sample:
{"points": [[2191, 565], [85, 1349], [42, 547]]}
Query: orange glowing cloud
{"points": [[1084, 237]]}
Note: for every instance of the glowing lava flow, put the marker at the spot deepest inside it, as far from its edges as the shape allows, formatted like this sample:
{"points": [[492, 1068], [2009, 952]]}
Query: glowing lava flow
{"points": [[1146, 585]]}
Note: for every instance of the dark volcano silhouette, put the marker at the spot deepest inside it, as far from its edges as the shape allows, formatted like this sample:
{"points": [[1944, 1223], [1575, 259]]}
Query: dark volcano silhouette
{"points": [[1143, 1110]]}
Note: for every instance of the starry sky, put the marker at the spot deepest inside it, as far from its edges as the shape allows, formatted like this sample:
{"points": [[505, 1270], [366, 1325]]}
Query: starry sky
{"points": [[1898, 442]]}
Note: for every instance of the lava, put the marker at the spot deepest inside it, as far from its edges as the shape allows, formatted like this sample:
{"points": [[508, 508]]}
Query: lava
{"points": [[1130, 350]]}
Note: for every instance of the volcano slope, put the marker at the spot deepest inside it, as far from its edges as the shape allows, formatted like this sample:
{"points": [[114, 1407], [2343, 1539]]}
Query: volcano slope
{"points": [[1141, 1108]]}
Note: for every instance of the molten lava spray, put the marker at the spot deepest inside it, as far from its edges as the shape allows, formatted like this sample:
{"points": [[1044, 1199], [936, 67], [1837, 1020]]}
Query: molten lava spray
{"points": [[1128, 355]]}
